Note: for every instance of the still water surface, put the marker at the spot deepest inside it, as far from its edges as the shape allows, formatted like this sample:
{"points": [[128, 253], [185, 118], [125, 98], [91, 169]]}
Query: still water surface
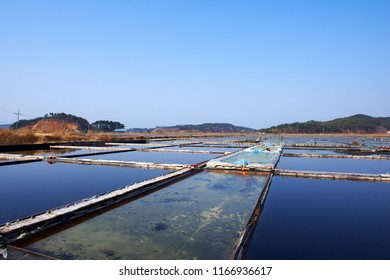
{"points": [[157, 157], [335, 165], [214, 149], [201, 217], [29, 188], [323, 219], [316, 152], [197, 218]]}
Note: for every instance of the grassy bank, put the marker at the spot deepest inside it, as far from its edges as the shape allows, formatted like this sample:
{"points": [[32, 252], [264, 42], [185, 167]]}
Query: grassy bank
{"points": [[15, 137], [12, 137]]}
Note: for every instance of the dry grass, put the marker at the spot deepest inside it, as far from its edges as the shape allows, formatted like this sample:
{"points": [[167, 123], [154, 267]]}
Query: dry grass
{"points": [[12, 137]]}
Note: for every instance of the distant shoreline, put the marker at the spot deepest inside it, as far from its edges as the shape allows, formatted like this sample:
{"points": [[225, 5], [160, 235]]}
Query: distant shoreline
{"points": [[11, 137], [386, 135]]}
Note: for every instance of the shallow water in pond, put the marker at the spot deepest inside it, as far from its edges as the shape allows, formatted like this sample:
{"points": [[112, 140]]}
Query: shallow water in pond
{"points": [[197, 218], [251, 157]]}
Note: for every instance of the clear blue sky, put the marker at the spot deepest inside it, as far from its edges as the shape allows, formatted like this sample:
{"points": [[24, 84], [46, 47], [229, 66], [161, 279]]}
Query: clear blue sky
{"points": [[155, 63]]}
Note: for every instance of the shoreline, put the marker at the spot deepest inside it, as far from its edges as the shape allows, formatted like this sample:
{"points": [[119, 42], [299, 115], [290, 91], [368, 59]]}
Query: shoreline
{"points": [[385, 135], [10, 137]]}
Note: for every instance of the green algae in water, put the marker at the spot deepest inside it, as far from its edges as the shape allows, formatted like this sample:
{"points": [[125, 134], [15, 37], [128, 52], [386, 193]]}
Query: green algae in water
{"points": [[191, 219]]}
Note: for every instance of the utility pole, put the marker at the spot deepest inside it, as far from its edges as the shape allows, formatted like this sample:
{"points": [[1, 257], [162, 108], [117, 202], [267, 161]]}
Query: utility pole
{"points": [[17, 120]]}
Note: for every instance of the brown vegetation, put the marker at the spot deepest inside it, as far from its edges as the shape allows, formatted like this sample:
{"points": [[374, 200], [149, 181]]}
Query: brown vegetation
{"points": [[15, 137], [51, 126], [11, 137], [50, 131]]}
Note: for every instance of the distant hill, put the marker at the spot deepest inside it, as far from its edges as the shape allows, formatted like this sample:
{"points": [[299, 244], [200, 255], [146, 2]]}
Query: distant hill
{"points": [[353, 124], [48, 125], [53, 122], [204, 128]]}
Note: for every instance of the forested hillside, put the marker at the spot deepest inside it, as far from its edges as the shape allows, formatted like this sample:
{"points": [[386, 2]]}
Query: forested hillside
{"points": [[353, 124]]}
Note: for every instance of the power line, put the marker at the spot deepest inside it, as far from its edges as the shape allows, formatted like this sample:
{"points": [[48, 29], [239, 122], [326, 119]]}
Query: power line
{"points": [[6, 111], [18, 114], [15, 113], [29, 116]]}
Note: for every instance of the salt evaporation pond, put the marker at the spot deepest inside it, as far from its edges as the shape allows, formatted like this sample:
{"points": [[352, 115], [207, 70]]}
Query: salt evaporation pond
{"points": [[59, 152], [322, 140], [200, 217], [77, 152], [366, 166], [29, 188], [315, 152], [323, 219], [214, 149], [137, 146], [157, 157]]}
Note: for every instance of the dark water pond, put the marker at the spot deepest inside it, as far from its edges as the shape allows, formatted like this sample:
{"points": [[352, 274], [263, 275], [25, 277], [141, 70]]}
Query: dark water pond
{"points": [[70, 152], [335, 165], [157, 157], [30, 188], [323, 219], [58, 152], [202, 216], [197, 218]]}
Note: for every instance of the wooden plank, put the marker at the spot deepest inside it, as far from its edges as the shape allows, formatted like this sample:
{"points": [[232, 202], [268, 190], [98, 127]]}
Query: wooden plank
{"points": [[184, 151], [154, 145], [318, 146], [19, 157], [372, 157], [243, 143], [89, 148], [333, 175], [227, 146], [134, 164], [15, 253], [137, 144], [242, 244]]}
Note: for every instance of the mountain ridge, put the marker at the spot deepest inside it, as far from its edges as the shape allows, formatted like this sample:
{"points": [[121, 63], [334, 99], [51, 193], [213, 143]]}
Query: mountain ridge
{"points": [[358, 123], [204, 128]]}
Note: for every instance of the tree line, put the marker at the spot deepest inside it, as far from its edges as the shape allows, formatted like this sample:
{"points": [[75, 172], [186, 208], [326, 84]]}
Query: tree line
{"points": [[353, 124], [83, 124]]}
